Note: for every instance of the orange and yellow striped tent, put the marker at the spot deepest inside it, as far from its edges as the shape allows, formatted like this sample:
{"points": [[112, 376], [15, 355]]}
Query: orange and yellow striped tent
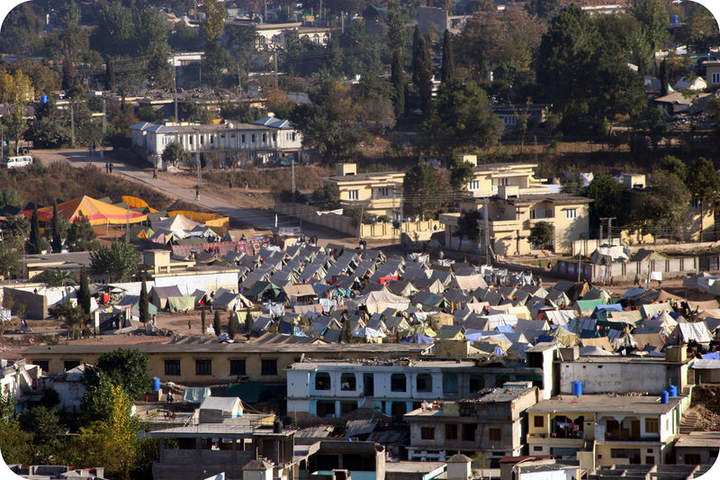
{"points": [[97, 212]]}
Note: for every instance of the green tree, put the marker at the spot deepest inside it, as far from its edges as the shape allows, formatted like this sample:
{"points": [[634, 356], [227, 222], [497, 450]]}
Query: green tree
{"points": [[15, 228], [118, 262], [127, 368], [113, 442], [9, 197], [467, 225], [15, 444], [10, 259], [608, 197], [45, 427], [447, 75], [174, 154], [460, 174], [152, 32], [217, 325], [46, 132], [326, 196], [56, 241], [55, 277], [566, 61], [214, 61], [653, 16], [115, 31], [672, 164], [544, 9], [397, 77], [422, 71], [34, 245], [83, 294], [232, 324], [73, 316], [214, 23], [662, 209], [328, 123], [144, 303], [96, 402], [704, 185], [542, 235], [81, 236], [425, 193], [463, 117]]}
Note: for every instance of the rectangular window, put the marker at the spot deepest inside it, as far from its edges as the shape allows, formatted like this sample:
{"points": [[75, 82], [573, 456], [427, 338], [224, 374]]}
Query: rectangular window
{"points": [[398, 382], [347, 382], [468, 432], [651, 425], [264, 137], [294, 136], [427, 433], [474, 185], [242, 138], [212, 139], [383, 192], [269, 366], [191, 140], [237, 366], [274, 137], [716, 77], [424, 382], [252, 139], [353, 194], [43, 364], [495, 434], [451, 431], [172, 367], [539, 421], [504, 182], [571, 213], [203, 367], [70, 364]]}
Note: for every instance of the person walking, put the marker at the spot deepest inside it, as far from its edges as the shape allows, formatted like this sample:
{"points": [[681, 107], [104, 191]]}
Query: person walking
{"points": [[110, 167], [197, 192]]}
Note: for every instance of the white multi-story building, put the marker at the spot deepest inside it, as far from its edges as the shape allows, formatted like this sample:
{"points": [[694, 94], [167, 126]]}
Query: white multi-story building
{"points": [[266, 138], [335, 388]]}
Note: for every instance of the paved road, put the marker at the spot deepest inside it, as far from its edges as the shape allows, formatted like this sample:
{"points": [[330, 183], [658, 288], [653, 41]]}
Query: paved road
{"points": [[259, 218]]}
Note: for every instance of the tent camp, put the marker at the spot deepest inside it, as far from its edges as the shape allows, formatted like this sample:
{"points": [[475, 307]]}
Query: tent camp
{"points": [[159, 296], [378, 301], [685, 332], [97, 212]]}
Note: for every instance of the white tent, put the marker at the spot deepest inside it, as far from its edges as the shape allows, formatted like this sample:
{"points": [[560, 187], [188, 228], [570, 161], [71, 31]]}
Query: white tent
{"points": [[685, 332], [382, 299]]}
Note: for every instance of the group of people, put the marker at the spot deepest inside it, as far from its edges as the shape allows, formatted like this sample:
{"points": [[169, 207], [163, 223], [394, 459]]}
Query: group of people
{"points": [[108, 167]]}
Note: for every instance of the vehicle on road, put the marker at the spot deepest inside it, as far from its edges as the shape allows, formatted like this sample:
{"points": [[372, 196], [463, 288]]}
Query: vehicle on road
{"points": [[17, 161]]}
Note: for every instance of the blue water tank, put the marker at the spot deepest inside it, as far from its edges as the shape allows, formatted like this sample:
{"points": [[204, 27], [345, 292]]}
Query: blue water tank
{"points": [[675, 19], [664, 397], [672, 390], [44, 98], [156, 384], [577, 387]]}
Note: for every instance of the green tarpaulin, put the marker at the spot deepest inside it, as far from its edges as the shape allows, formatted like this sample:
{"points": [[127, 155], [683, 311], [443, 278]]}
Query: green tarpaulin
{"points": [[181, 304], [152, 309]]}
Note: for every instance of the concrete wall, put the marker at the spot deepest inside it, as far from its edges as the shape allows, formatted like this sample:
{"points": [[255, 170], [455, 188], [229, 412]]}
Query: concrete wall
{"points": [[587, 246], [610, 377], [35, 306], [672, 267], [309, 214]]}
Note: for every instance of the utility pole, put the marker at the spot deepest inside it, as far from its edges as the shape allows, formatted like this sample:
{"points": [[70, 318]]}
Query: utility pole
{"points": [[601, 234], [72, 124], [177, 119], [292, 173], [487, 234], [342, 22], [2, 142], [609, 220], [275, 59], [104, 124], [199, 170], [265, 13], [579, 265]]}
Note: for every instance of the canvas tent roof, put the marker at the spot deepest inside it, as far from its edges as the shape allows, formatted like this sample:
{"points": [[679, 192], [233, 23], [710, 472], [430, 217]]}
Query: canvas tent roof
{"points": [[380, 300], [97, 212], [685, 332]]}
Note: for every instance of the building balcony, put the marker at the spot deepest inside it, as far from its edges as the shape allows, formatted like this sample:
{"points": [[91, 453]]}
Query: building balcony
{"points": [[544, 439]]}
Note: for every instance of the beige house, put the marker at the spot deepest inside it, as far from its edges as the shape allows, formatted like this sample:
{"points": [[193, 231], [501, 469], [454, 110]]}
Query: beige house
{"points": [[712, 71], [380, 193], [511, 216], [487, 179], [603, 430]]}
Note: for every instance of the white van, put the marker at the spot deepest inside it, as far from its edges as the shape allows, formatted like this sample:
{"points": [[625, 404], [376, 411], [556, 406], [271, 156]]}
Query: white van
{"points": [[17, 162]]}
